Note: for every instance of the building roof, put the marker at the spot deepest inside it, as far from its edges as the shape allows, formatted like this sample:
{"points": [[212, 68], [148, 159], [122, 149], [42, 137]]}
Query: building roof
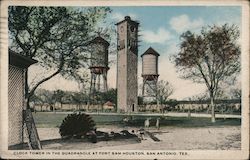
{"points": [[127, 18], [108, 103], [150, 50], [20, 60], [99, 39]]}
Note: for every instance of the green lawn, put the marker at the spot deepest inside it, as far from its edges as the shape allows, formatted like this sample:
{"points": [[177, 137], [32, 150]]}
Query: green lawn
{"points": [[48, 120]]}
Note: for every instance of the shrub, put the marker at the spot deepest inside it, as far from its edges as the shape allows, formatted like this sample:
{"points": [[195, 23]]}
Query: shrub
{"points": [[76, 125]]}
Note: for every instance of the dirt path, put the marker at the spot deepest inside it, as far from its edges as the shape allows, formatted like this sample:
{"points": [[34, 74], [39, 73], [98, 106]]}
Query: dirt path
{"points": [[171, 138]]}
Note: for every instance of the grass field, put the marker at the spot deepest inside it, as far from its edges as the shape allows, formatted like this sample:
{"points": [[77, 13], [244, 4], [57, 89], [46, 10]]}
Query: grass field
{"points": [[175, 133], [51, 120]]}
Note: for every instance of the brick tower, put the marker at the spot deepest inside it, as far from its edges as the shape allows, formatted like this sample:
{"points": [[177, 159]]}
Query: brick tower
{"points": [[127, 46]]}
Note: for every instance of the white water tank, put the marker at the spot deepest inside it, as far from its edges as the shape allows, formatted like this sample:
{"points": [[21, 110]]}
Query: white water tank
{"points": [[150, 62]]}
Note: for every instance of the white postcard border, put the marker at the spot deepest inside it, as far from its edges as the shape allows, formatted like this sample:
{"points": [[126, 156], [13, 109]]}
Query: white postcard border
{"points": [[197, 154]]}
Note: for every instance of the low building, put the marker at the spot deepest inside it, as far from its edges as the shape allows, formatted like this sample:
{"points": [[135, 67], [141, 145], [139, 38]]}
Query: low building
{"points": [[16, 98], [109, 106]]}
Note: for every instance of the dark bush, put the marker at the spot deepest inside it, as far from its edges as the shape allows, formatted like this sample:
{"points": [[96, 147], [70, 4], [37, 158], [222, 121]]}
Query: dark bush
{"points": [[76, 125]]}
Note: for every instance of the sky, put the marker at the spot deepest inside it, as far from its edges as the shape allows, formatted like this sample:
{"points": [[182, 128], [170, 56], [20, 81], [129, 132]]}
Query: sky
{"points": [[160, 28]]}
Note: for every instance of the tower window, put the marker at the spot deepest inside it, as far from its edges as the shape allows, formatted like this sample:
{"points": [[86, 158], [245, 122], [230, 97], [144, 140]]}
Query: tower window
{"points": [[132, 28], [122, 29], [121, 44]]}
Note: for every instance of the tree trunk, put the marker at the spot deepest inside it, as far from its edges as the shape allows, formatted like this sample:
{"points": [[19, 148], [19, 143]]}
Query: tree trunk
{"points": [[26, 89], [30, 93], [54, 108], [212, 109], [189, 112]]}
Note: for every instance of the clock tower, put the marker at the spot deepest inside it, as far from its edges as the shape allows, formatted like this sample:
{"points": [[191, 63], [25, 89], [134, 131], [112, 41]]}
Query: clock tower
{"points": [[127, 46]]}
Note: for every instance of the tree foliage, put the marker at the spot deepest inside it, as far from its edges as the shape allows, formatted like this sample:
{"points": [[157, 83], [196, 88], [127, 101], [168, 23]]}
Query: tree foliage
{"points": [[110, 95], [79, 98], [55, 36], [236, 93], [42, 97], [164, 90], [210, 57], [103, 97], [58, 95]]}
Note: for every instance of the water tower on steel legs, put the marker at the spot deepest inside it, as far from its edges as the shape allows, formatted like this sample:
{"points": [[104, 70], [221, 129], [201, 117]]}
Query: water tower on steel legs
{"points": [[150, 75], [98, 67]]}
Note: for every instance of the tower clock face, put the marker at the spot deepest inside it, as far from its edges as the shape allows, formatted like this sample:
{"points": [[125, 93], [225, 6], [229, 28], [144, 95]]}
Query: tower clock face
{"points": [[132, 28], [132, 38]]}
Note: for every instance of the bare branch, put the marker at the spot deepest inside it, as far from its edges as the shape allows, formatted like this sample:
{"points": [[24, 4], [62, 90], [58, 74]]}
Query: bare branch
{"points": [[47, 78]]}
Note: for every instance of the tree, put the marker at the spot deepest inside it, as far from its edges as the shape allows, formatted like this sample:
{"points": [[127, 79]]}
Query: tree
{"points": [[164, 90], [42, 97], [37, 100], [140, 100], [209, 57], [79, 98], [58, 96], [110, 95], [49, 98], [236, 93], [55, 36], [172, 103], [199, 97]]}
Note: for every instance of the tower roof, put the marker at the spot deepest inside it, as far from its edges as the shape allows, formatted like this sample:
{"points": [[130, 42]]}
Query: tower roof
{"points": [[128, 19], [150, 50], [99, 39]]}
